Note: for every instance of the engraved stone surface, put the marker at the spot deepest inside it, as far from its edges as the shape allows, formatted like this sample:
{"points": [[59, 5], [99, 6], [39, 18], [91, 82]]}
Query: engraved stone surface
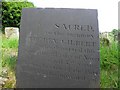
{"points": [[59, 48]]}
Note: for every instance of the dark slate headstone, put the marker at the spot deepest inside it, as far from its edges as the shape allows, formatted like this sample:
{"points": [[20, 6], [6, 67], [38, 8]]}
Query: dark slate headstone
{"points": [[59, 48]]}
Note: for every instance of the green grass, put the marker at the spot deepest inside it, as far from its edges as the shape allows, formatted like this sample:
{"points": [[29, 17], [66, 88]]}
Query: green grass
{"points": [[108, 63], [9, 43], [0, 52], [109, 66], [9, 52], [9, 57]]}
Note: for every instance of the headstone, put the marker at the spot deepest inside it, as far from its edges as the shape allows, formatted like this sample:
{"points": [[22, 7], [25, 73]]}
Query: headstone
{"points": [[59, 48], [12, 32], [119, 37]]}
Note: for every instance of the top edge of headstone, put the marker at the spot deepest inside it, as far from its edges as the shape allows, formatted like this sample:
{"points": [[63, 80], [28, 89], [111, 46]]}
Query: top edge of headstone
{"points": [[62, 8]]}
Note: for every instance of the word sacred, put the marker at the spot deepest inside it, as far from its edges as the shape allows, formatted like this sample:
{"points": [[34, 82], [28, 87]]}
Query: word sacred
{"points": [[74, 27]]}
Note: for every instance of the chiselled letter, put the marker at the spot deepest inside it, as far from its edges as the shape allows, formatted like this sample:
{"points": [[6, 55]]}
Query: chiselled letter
{"points": [[77, 27], [57, 26], [64, 26]]}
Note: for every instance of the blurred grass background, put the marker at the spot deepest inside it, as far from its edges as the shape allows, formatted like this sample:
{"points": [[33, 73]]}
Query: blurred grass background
{"points": [[109, 66], [9, 57]]}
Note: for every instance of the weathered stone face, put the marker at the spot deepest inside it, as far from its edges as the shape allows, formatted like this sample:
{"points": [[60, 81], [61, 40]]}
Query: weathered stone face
{"points": [[59, 48], [11, 32]]}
